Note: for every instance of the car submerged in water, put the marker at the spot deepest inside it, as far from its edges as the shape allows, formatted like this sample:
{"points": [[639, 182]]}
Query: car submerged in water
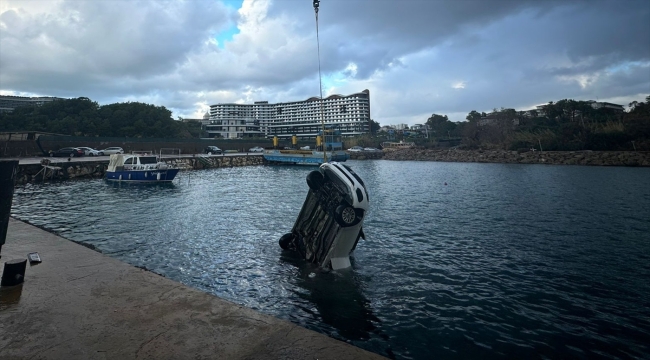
{"points": [[330, 222]]}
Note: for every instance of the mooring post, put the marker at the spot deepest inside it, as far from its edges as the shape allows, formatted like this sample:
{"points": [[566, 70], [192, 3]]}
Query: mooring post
{"points": [[8, 170]]}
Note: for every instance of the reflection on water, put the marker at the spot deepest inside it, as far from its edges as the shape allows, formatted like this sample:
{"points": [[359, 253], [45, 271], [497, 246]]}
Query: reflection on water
{"points": [[337, 296], [504, 261]]}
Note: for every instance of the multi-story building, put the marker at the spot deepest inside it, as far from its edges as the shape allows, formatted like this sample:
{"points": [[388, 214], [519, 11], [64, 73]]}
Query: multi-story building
{"points": [[605, 105], [8, 103], [349, 114]]}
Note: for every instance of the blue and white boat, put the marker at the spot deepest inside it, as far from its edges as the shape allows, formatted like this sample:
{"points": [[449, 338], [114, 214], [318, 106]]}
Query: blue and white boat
{"points": [[139, 168]]}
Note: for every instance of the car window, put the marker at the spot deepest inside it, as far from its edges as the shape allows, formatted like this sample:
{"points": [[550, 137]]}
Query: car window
{"points": [[129, 161]]}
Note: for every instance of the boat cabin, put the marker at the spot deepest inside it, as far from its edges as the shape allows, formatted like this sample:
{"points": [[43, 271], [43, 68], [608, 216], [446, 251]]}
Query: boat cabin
{"points": [[129, 162]]}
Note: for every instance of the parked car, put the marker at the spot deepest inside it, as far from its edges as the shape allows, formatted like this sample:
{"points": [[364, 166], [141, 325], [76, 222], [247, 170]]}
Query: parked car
{"points": [[90, 151], [112, 150], [68, 151], [212, 150], [256, 149], [371, 149], [355, 148]]}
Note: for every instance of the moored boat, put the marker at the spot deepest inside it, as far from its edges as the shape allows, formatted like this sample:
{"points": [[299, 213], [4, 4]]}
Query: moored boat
{"points": [[139, 168]]}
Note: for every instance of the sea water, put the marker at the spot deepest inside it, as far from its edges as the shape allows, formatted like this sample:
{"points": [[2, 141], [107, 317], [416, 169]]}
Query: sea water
{"points": [[460, 260]]}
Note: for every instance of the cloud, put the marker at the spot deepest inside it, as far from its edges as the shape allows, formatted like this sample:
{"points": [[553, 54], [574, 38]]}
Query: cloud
{"points": [[416, 57]]}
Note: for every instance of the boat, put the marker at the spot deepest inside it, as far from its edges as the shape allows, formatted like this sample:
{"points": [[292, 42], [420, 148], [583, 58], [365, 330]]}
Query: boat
{"points": [[303, 156], [144, 168], [397, 145]]}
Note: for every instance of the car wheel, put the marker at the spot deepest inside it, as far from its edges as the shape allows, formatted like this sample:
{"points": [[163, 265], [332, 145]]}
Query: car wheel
{"points": [[315, 180], [285, 241], [210, 153], [345, 215], [51, 154], [100, 154]]}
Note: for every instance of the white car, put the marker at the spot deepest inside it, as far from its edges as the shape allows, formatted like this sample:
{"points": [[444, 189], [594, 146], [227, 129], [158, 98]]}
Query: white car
{"points": [[355, 149], [370, 149], [112, 150], [330, 222], [90, 151], [256, 149]]}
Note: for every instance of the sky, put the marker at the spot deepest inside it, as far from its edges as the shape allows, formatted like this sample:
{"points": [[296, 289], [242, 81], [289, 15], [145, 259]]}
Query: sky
{"points": [[416, 57]]}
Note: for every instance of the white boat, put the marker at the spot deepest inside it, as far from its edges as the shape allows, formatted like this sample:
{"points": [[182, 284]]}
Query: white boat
{"points": [[139, 168]]}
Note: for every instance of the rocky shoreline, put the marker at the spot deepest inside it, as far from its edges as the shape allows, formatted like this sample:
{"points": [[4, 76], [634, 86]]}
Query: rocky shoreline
{"points": [[595, 158], [62, 170]]}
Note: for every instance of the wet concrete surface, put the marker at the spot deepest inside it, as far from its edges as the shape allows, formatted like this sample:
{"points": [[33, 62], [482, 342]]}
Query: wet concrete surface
{"points": [[80, 304]]}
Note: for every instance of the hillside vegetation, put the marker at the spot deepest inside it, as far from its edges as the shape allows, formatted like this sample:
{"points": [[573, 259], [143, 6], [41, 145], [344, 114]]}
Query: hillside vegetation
{"points": [[563, 125], [83, 117]]}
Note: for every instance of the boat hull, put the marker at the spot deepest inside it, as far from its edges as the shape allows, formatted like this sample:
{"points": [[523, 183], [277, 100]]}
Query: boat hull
{"points": [[146, 176], [303, 157]]}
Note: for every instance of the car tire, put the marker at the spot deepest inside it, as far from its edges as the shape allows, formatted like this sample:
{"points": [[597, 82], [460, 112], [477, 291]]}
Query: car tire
{"points": [[100, 154], [51, 154], [345, 215], [315, 180], [286, 240]]}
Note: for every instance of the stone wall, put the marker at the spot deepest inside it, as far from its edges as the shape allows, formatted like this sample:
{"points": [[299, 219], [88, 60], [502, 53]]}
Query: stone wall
{"points": [[64, 170], [366, 155], [597, 158]]}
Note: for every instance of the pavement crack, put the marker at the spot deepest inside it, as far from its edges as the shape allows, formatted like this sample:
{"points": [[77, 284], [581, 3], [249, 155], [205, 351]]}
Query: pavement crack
{"points": [[148, 341]]}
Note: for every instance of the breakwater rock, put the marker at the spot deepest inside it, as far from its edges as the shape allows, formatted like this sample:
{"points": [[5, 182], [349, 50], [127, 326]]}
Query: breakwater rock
{"points": [[365, 155], [206, 162], [64, 170], [596, 158]]}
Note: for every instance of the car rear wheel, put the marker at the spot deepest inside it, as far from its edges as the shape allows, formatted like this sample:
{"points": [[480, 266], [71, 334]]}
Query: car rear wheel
{"points": [[285, 241], [346, 215], [315, 180]]}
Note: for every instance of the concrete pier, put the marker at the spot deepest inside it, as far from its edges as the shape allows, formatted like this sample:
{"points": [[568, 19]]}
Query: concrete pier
{"points": [[80, 304]]}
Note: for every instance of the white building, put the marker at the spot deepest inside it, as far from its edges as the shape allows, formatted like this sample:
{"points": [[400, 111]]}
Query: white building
{"points": [[350, 114], [605, 105], [9, 103]]}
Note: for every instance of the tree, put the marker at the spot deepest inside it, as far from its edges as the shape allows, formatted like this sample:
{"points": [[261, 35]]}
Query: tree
{"points": [[374, 126], [473, 116]]}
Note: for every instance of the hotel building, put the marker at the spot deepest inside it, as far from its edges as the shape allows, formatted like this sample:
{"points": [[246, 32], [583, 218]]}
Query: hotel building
{"points": [[350, 114]]}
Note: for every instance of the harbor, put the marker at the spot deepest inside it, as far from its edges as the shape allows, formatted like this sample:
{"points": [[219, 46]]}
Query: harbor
{"points": [[504, 260], [39, 169]]}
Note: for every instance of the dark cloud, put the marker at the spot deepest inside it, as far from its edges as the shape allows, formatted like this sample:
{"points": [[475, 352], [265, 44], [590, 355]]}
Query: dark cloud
{"points": [[417, 57]]}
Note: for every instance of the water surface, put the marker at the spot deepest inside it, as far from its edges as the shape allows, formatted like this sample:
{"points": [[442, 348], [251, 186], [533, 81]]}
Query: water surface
{"points": [[461, 260]]}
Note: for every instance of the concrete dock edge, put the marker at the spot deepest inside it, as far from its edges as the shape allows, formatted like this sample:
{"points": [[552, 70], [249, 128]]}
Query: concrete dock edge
{"points": [[81, 304]]}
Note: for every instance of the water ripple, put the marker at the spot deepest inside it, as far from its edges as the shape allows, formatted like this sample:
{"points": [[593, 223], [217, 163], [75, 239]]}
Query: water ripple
{"points": [[505, 261]]}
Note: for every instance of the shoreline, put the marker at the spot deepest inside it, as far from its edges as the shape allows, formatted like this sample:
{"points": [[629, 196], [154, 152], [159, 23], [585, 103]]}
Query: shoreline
{"points": [[585, 157]]}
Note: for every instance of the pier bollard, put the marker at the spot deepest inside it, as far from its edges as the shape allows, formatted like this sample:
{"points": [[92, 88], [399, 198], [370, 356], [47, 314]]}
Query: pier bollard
{"points": [[14, 272], [8, 170]]}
